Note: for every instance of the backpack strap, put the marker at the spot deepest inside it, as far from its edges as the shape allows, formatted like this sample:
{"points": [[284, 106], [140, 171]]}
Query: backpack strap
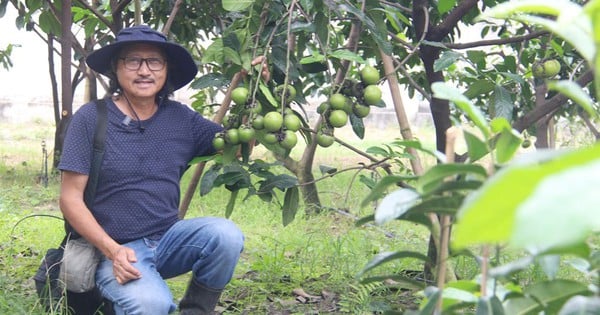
{"points": [[98, 155]]}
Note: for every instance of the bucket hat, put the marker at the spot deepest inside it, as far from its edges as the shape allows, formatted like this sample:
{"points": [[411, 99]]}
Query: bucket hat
{"points": [[181, 65]]}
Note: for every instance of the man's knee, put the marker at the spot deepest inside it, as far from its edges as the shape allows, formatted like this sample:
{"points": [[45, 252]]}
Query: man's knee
{"points": [[145, 303]]}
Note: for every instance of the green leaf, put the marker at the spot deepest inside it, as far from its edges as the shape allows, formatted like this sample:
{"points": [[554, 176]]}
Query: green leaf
{"points": [[531, 212], [364, 220], [544, 296], [581, 305], [433, 295], [325, 169], [434, 176], [476, 147], [357, 126], [385, 257], [502, 103], [216, 80], [316, 57], [445, 5], [234, 176], [571, 23], [479, 87], [478, 58], [489, 306], [49, 24], [395, 204], [382, 186], [200, 159], [208, 180], [509, 9], [443, 91], [237, 5], [290, 205], [379, 35], [231, 203], [282, 182], [214, 53], [575, 92], [3, 5], [345, 54], [507, 144], [446, 59], [264, 89], [401, 281], [439, 204]]}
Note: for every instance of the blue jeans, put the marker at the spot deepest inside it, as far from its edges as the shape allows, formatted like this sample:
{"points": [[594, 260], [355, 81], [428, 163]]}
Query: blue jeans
{"points": [[209, 247]]}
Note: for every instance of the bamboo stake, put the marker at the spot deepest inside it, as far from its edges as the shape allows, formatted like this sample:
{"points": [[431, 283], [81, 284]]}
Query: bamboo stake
{"points": [[405, 131], [443, 252], [187, 198]]}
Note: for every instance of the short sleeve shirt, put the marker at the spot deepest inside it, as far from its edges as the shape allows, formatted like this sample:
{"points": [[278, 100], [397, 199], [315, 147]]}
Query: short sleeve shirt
{"points": [[138, 188]]}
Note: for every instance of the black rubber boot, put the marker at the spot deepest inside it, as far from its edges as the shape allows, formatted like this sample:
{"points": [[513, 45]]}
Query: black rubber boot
{"points": [[199, 300]]}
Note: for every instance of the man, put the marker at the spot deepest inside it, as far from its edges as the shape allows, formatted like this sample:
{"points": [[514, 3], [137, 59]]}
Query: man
{"points": [[133, 220]]}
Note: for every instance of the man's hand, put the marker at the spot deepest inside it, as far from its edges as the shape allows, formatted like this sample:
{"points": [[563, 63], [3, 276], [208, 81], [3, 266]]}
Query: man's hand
{"points": [[264, 73], [123, 270]]}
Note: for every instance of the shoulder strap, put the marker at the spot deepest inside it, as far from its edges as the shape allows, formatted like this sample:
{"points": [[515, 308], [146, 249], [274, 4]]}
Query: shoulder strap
{"points": [[98, 155]]}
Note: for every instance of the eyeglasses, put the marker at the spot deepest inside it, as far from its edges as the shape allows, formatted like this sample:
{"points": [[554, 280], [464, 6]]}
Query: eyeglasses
{"points": [[134, 63]]}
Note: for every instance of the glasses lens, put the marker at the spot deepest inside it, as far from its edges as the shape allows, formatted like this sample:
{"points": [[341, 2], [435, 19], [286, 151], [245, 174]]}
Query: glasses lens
{"points": [[155, 64], [134, 63]]}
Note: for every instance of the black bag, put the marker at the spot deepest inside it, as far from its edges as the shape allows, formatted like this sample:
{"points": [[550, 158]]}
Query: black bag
{"points": [[52, 295]]}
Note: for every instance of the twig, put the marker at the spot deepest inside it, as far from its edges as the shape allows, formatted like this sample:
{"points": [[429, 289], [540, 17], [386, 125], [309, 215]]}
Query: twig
{"points": [[167, 27], [371, 166]]}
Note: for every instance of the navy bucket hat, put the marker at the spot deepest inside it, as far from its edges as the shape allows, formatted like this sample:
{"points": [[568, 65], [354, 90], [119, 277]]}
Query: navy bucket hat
{"points": [[181, 65]]}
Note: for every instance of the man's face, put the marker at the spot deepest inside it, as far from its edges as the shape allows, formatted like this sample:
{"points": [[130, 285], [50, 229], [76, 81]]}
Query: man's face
{"points": [[142, 70]]}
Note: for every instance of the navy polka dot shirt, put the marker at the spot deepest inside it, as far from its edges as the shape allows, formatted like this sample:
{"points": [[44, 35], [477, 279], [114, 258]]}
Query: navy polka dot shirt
{"points": [[139, 184]]}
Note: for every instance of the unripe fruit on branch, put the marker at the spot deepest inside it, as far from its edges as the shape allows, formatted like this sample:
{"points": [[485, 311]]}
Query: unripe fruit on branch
{"points": [[337, 101], [245, 133], [239, 95], [337, 118], [361, 111], [372, 94], [232, 136], [546, 69], [369, 75], [289, 140], [273, 121], [218, 142], [292, 122], [324, 140]]}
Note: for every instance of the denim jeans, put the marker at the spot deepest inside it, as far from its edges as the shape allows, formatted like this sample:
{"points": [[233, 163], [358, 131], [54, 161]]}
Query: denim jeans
{"points": [[209, 247]]}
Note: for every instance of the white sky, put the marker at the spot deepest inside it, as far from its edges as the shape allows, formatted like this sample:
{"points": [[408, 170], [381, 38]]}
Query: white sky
{"points": [[28, 78]]}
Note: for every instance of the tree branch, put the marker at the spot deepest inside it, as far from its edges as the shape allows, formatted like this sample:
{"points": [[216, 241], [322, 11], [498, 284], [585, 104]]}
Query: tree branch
{"points": [[444, 28], [555, 102], [498, 41]]}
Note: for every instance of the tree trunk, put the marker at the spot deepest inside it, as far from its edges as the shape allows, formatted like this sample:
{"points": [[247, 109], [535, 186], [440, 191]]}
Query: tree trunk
{"points": [[66, 45], [310, 193]]}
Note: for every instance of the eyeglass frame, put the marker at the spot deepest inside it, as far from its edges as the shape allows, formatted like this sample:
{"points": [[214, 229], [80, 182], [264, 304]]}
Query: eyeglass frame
{"points": [[142, 60]]}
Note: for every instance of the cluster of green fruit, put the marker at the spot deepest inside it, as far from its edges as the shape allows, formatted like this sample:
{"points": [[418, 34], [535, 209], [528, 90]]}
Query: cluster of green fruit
{"points": [[273, 128], [353, 98], [249, 121]]}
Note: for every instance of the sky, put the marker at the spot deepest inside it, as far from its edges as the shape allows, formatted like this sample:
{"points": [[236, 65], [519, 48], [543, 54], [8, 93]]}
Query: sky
{"points": [[28, 78]]}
